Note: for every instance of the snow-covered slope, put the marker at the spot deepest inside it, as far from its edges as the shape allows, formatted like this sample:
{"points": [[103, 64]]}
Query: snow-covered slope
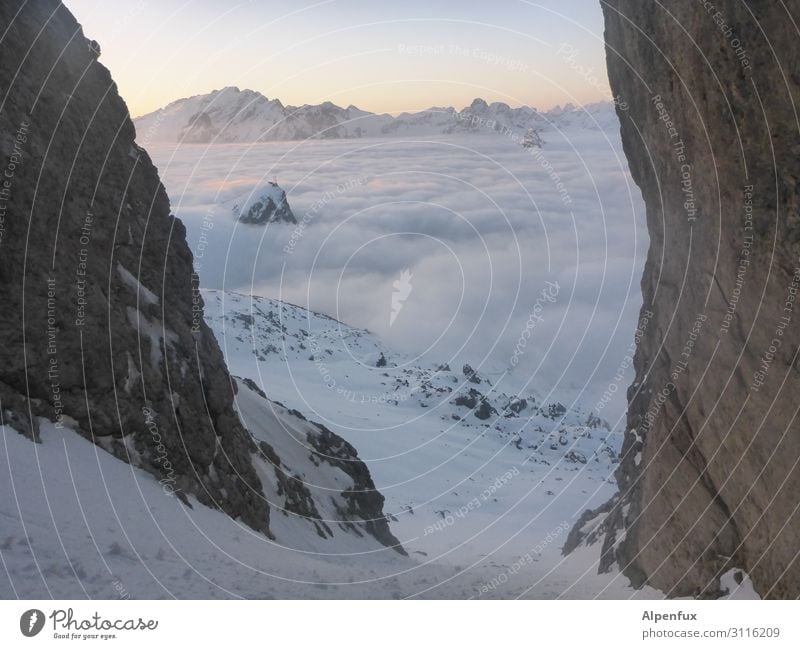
{"points": [[310, 475], [77, 522], [464, 466], [233, 115], [476, 480], [482, 504]]}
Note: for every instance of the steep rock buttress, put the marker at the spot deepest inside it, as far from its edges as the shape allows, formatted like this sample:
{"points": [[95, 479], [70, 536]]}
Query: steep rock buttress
{"points": [[102, 319], [707, 99], [102, 325]]}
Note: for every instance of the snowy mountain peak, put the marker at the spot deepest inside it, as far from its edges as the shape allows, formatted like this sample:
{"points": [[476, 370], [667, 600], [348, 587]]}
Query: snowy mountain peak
{"points": [[479, 104], [231, 89]]}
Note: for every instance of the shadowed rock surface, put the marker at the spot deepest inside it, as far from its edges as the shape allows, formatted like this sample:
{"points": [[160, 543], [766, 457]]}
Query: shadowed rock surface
{"points": [[101, 320], [709, 479]]}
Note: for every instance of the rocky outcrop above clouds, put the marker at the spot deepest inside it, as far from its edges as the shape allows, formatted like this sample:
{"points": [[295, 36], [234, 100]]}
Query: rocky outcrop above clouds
{"points": [[710, 474], [265, 204]]}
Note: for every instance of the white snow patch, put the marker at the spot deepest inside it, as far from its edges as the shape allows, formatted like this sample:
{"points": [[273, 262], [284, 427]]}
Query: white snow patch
{"points": [[738, 585], [152, 329], [143, 294], [133, 374]]}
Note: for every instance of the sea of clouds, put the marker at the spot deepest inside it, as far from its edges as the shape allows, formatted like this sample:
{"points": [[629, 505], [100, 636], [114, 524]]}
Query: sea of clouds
{"points": [[524, 263]]}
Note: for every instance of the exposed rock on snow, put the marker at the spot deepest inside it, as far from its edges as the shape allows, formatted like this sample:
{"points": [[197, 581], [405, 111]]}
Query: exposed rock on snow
{"points": [[433, 439], [317, 475], [198, 129]]}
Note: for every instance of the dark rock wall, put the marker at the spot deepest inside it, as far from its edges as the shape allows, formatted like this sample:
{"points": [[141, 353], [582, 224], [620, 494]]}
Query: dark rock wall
{"points": [[708, 102], [84, 214], [101, 317]]}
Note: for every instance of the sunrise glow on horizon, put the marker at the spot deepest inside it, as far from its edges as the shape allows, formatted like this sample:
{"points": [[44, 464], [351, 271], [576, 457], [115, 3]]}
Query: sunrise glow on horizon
{"points": [[377, 56]]}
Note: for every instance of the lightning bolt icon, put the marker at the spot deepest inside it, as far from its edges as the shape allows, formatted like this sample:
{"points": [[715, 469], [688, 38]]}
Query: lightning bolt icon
{"points": [[33, 620]]}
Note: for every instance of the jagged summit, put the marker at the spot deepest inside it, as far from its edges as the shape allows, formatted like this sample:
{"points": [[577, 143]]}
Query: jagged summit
{"points": [[479, 104], [265, 204]]}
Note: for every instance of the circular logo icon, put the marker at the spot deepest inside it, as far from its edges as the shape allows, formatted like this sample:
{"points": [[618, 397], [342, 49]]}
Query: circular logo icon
{"points": [[31, 622]]}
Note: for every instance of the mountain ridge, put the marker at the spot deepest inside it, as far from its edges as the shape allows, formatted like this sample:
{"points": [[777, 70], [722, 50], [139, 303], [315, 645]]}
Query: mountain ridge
{"points": [[232, 115]]}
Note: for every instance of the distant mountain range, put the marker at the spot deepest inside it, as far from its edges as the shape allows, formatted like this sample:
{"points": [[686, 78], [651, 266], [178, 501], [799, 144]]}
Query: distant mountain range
{"points": [[233, 115]]}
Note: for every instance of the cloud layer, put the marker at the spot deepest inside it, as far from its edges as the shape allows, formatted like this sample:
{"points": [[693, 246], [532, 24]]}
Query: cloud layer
{"points": [[524, 262]]}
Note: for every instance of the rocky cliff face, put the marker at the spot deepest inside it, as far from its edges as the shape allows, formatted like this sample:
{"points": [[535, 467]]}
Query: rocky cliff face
{"points": [[102, 318], [710, 477], [102, 323]]}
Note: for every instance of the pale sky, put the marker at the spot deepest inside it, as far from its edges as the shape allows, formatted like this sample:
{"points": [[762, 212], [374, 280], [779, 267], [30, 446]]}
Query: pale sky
{"points": [[380, 56]]}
